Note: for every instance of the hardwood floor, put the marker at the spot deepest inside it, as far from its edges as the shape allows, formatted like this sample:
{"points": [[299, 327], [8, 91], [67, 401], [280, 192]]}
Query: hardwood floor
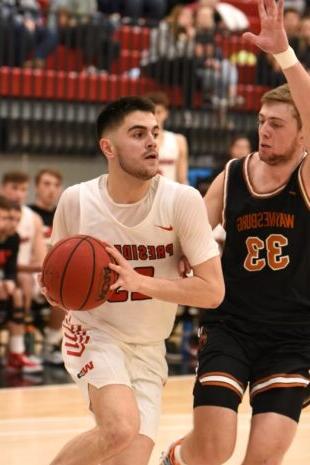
{"points": [[35, 422]]}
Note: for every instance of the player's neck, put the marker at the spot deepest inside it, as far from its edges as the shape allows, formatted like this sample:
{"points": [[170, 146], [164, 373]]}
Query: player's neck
{"points": [[126, 189], [266, 177]]}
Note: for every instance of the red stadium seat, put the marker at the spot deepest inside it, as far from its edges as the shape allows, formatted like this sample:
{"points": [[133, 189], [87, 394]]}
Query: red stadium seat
{"points": [[128, 59], [133, 38], [84, 87], [249, 7]]}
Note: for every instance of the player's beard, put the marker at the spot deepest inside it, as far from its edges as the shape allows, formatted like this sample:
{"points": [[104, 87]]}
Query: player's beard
{"points": [[276, 159], [140, 172]]}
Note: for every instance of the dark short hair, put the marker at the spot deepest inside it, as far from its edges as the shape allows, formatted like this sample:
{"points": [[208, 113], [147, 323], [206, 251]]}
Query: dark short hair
{"points": [[51, 171], [18, 177], [5, 204], [115, 112]]}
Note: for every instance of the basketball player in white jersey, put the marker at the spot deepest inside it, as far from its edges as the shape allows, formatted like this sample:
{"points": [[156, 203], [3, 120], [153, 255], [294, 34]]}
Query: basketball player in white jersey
{"points": [[172, 147], [116, 352]]}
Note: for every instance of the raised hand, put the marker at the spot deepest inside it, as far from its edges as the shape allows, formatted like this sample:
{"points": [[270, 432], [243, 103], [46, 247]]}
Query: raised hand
{"points": [[272, 37]]}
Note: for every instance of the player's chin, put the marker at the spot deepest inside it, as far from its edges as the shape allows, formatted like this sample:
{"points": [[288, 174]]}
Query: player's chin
{"points": [[267, 156], [148, 173]]}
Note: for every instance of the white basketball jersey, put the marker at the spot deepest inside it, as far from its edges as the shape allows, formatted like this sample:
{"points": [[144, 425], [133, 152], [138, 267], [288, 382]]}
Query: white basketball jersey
{"points": [[168, 155], [151, 247], [26, 231]]}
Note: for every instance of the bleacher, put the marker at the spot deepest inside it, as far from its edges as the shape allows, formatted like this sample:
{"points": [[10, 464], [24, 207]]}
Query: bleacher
{"points": [[63, 96]]}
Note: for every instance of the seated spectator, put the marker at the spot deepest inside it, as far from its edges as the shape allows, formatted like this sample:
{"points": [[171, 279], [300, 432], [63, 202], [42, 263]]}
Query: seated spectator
{"points": [[153, 10], [80, 26], [205, 20], [28, 40], [304, 42], [12, 310], [240, 146], [226, 16], [292, 23], [218, 77], [299, 5], [268, 72], [170, 44]]}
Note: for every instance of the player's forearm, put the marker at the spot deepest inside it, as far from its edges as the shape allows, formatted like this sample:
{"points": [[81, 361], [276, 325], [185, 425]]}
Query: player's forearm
{"points": [[299, 83], [194, 291]]}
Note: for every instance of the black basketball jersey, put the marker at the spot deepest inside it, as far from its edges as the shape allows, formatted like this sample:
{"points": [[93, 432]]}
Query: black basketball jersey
{"points": [[266, 257], [8, 257], [47, 218]]}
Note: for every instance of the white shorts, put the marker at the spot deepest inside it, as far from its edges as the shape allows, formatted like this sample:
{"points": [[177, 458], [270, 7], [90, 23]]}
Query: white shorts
{"points": [[96, 358]]}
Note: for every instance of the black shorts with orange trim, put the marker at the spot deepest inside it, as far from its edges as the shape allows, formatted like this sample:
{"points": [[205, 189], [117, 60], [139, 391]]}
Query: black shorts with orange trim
{"points": [[273, 362]]}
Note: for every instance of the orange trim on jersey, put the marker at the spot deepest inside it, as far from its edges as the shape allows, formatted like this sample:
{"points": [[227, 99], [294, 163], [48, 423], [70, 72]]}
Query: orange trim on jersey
{"points": [[223, 373], [276, 386], [226, 176], [278, 375], [279, 380], [222, 379], [302, 186], [250, 186]]}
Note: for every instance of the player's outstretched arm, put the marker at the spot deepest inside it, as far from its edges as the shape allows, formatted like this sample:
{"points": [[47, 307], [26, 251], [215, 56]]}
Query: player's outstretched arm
{"points": [[273, 39]]}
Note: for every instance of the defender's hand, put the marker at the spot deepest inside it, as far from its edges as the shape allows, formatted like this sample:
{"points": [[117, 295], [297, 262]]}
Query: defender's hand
{"points": [[272, 37]]}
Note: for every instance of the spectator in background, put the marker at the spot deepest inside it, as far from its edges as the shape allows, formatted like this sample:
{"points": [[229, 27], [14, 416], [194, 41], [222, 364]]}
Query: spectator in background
{"points": [[240, 146], [292, 23], [226, 16], [172, 3], [173, 38], [80, 26], [299, 5], [171, 45], [304, 42], [268, 72], [218, 77], [32, 250], [135, 9], [12, 310], [28, 40], [205, 20], [48, 187], [172, 147]]}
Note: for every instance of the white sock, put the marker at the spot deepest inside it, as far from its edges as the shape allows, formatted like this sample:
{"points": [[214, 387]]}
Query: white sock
{"points": [[17, 344], [53, 336], [177, 455]]}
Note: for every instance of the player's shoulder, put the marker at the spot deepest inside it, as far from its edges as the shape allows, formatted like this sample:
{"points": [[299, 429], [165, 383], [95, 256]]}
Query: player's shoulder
{"points": [[75, 189], [180, 190]]}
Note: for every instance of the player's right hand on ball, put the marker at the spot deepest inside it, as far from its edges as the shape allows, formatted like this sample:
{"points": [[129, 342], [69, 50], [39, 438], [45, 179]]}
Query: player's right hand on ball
{"points": [[128, 278]]}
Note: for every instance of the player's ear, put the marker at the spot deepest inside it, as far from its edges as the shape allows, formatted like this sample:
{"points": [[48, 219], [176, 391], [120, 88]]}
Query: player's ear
{"points": [[106, 147]]}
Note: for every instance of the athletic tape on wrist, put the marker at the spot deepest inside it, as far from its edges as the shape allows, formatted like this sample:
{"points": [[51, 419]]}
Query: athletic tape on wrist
{"points": [[286, 59]]}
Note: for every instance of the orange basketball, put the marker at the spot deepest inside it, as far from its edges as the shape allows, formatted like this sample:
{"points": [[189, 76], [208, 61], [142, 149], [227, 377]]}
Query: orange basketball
{"points": [[76, 273]]}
